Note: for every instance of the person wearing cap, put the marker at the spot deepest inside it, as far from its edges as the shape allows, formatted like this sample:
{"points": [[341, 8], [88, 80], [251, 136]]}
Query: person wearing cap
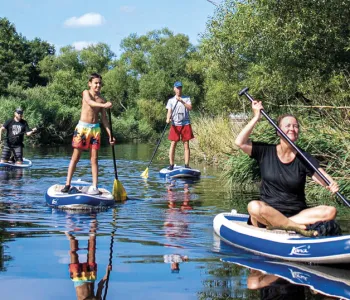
{"points": [[15, 128], [178, 113]]}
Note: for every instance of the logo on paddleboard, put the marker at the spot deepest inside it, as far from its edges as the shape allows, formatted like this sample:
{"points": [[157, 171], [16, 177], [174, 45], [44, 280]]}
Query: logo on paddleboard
{"points": [[54, 201], [300, 276], [301, 250]]}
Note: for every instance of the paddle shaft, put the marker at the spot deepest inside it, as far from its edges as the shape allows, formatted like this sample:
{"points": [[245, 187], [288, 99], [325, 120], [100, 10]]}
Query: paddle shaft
{"points": [[165, 127], [110, 251], [245, 93], [113, 152]]}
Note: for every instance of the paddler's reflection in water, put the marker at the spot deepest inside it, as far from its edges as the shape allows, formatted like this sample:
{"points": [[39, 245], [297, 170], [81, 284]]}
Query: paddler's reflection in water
{"points": [[83, 274], [175, 223], [10, 182], [174, 260], [172, 196], [272, 287], [9, 174]]}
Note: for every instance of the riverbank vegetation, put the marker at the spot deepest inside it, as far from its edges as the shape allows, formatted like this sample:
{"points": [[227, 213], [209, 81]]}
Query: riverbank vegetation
{"points": [[295, 57]]}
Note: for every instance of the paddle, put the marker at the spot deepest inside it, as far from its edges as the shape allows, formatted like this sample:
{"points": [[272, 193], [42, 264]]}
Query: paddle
{"points": [[109, 268], [145, 172], [118, 192], [245, 93]]}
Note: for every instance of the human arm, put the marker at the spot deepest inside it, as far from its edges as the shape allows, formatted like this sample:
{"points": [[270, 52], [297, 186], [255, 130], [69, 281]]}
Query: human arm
{"points": [[87, 99], [242, 140], [187, 104], [1, 130], [333, 187], [101, 283], [28, 133], [107, 126], [168, 115], [27, 130]]}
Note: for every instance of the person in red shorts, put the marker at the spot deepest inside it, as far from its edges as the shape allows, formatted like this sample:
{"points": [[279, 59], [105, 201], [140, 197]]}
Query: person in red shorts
{"points": [[178, 113], [87, 133]]}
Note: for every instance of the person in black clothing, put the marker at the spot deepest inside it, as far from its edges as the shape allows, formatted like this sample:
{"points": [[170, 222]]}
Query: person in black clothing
{"points": [[283, 173], [15, 130]]}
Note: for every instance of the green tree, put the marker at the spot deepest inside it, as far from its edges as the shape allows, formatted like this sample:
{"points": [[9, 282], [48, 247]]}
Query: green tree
{"points": [[12, 56], [36, 51], [120, 88], [284, 50], [96, 58], [157, 59]]}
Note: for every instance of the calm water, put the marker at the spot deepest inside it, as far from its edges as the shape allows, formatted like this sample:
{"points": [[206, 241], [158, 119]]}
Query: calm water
{"points": [[160, 244]]}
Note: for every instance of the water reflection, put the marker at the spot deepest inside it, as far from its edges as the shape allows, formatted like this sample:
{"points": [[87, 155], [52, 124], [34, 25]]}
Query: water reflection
{"points": [[174, 260], [176, 224], [272, 287], [84, 273], [288, 280], [176, 220], [10, 174]]}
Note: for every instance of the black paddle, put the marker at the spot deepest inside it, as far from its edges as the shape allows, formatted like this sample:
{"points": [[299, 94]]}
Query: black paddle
{"points": [[118, 192], [245, 93], [111, 251], [145, 172]]}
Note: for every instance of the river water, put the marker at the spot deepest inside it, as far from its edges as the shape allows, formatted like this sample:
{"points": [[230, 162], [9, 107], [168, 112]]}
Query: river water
{"points": [[158, 245]]}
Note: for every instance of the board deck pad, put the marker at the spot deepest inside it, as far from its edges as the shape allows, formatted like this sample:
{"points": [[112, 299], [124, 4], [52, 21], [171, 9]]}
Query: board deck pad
{"points": [[79, 189]]}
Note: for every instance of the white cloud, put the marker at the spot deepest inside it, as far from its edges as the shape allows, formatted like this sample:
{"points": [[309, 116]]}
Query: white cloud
{"points": [[87, 20], [83, 44], [127, 9]]}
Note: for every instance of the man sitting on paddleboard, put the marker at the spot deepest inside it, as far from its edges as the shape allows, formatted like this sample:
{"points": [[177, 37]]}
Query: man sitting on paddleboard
{"points": [[15, 128], [283, 173], [87, 133]]}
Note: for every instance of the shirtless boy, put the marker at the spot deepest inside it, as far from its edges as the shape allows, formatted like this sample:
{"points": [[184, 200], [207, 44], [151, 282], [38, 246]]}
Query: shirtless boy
{"points": [[87, 134]]}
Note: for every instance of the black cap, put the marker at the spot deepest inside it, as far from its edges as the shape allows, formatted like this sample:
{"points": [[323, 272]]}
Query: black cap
{"points": [[19, 110]]}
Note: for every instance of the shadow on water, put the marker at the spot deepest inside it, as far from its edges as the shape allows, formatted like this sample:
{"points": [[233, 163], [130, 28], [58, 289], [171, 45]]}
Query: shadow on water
{"points": [[160, 243]]}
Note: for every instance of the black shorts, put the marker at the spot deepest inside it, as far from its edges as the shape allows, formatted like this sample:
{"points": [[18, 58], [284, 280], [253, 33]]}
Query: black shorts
{"points": [[249, 222], [17, 152]]}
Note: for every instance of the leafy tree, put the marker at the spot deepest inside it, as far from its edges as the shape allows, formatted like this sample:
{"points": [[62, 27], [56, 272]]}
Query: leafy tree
{"points": [[276, 48], [12, 56], [120, 87], [36, 51], [96, 58], [157, 59]]}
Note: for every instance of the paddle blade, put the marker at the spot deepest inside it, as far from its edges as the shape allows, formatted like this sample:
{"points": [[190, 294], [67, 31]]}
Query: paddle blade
{"points": [[118, 192], [145, 173]]}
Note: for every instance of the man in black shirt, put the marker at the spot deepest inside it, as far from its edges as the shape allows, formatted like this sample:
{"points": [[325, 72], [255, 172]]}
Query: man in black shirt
{"points": [[15, 130]]}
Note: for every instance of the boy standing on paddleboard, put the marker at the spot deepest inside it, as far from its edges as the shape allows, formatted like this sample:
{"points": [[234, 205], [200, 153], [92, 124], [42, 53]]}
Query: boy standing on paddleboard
{"points": [[87, 134], [178, 113], [15, 128]]}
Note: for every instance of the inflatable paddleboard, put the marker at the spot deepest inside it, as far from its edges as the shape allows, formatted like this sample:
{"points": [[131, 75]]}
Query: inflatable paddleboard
{"points": [[10, 165], [233, 228], [78, 198], [180, 172]]}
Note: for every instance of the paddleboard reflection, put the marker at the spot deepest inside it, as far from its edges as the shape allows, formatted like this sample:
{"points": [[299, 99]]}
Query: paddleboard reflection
{"points": [[288, 280]]}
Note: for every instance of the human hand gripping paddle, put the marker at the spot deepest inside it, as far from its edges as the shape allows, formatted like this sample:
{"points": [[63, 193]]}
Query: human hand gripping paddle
{"points": [[145, 172], [245, 93], [118, 192]]}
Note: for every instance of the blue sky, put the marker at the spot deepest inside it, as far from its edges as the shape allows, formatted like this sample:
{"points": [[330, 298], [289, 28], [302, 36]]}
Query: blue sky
{"points": [[82, 22]]}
